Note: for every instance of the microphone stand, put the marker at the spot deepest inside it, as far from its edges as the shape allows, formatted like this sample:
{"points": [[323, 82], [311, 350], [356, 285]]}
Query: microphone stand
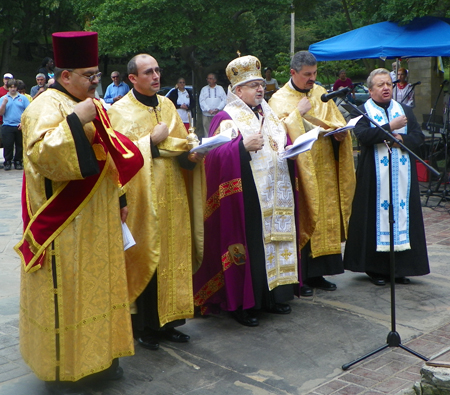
{"points": [[444, 177], [393, 338]]}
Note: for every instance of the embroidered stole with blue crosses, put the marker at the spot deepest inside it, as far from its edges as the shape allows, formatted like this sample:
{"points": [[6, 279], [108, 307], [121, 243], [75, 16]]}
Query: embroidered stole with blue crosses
{"points": [[401, 182]]}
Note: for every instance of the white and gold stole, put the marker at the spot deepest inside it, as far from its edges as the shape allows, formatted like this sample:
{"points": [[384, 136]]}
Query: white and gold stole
{"points": [[271, 176]]}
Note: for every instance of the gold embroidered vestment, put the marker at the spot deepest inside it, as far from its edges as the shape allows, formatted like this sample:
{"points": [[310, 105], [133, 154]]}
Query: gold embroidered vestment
{"points": [[159, 208], [325, 187], [91, 286]]}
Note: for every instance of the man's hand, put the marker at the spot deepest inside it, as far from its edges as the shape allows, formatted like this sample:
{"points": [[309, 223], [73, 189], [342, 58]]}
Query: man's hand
{"points": [[117, 98], [160, 133], [184, 107], [303, 106], [398, 137], [3, 106], [341, 135], [19, 126], [288, 147], [196, 157], [255, 142], [398, 123], [86, 111], [124, 214]]}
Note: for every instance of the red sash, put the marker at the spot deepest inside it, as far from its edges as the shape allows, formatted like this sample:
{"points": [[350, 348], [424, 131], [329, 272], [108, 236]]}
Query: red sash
{"points": [[126, 156], [41, 228]]}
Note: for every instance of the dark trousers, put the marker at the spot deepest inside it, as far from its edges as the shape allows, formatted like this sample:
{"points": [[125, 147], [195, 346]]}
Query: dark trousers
{"points": [[12, 137]]}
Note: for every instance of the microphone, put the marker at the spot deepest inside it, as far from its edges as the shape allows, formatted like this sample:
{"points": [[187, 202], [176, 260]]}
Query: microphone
{"points": [[416, 83], [328, 96]]}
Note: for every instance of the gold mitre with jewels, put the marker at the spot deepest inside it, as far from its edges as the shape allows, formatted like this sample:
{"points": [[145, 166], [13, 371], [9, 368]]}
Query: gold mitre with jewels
{"points": [[244, 69]]}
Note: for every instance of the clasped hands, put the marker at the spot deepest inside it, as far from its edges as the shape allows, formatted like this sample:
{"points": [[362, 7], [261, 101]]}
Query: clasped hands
{"points": [[395, 124]]}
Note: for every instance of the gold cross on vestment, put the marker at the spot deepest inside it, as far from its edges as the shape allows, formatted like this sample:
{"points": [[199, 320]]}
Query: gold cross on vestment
{"points": [[270, 258], [286, 254], [246, 118]]}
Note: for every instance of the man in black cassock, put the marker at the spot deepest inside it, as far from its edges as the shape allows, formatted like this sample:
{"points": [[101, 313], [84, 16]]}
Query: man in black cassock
{"points": [[367, 248]]}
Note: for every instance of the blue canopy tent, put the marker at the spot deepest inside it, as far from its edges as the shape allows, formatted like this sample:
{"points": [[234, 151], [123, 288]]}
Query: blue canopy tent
{"points": [[426, 36]]}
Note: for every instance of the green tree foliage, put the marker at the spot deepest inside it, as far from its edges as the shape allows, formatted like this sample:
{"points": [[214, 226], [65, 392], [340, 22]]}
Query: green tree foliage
{"points": [[28, 24], [200, 35], [204, 35]]}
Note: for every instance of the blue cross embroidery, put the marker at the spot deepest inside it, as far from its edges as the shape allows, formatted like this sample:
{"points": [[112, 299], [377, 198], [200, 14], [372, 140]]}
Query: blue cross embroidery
{"points": [[402, 204], [385, 205], [403, 160], [384, 161], [378, 118], [395, 115]]}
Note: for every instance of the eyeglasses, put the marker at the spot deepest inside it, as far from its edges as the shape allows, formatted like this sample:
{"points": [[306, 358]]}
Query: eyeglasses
{"points": [[115, 76], [181, 82], [91, 77], [152, 70], [256, 85]]}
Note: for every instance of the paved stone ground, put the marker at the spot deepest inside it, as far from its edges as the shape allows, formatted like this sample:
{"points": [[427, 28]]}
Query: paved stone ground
{"points": [[301, 353]]}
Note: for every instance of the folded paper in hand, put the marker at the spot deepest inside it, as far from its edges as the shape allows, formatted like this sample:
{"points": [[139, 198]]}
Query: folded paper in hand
{"points": [[351, 125], [209, 143], [302, 143], [128, 240]]}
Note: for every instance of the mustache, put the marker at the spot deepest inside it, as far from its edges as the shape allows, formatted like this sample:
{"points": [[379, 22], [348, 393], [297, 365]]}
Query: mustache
{"points": [[93, 87]]}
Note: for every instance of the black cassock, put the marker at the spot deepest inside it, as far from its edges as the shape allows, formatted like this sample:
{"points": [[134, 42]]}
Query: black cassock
{"points": [[360, 250]]}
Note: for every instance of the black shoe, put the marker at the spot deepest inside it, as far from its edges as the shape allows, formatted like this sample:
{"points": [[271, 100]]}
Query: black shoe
{"points": [[175, 336], [321, 283], [280, 308], [402, 280], [18, 165], [149, 341], [7, 165], [306, 291], [244, 317], [64, 388], [114, 372], [377, 279]]}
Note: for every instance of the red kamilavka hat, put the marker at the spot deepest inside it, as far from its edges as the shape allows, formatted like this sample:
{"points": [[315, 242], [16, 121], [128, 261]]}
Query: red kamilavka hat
{"points": [[75, 50]]}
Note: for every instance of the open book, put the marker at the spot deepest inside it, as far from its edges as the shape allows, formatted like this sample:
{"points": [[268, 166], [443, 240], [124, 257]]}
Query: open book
{"points": [[209, 143], [302, 143], [350, 125]]}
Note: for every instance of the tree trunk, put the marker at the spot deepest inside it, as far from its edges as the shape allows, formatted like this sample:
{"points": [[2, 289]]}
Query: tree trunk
{"points": [[6, 54], [347, 14]]}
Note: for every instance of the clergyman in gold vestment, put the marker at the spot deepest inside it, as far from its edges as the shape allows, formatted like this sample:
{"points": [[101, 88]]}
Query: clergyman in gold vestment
{"points": [[74, 306], [326, 176], [162, 208]]}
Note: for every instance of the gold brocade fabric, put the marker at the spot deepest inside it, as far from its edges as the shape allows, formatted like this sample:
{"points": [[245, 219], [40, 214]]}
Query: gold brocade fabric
{"points": [[326, 188], [159, 214], [91, 291]]}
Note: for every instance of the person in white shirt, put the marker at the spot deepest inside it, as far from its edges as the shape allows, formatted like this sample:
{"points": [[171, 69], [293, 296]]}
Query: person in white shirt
{"points": [[212, 100], [183, 101]]}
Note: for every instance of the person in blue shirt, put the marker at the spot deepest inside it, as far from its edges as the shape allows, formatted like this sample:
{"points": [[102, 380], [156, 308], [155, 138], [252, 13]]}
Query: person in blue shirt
{"points": [[12, 105], [116, 90]]}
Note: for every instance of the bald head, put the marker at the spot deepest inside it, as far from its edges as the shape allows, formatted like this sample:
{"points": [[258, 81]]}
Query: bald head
{"points": [[132, 67]]}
